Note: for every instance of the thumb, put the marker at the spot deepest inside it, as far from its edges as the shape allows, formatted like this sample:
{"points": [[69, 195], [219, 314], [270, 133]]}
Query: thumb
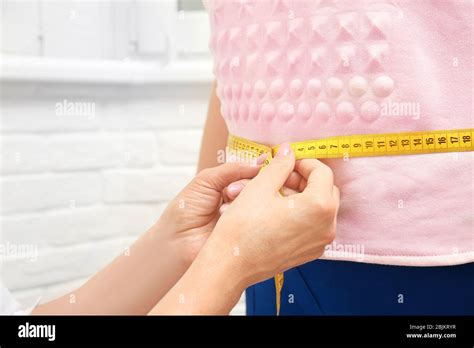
{"points": [[274, 175]]}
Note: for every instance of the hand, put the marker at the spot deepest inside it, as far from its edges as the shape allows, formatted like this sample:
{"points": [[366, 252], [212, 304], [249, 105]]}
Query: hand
{"points": [[294, 184], [261, 234], [192, 214], [269, 233]]}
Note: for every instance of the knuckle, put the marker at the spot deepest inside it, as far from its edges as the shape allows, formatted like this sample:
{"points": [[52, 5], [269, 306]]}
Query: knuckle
{"points": [[327, 171], [205, 173], [326, 208], [331, 208], [206, 177]]}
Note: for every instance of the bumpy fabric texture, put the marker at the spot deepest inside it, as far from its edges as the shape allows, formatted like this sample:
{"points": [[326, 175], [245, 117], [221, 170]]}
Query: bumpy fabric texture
{"points": [[297, 70]]}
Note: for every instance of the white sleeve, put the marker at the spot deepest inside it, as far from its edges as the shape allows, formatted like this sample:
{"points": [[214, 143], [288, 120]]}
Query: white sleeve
{"points": [[8, 304]]}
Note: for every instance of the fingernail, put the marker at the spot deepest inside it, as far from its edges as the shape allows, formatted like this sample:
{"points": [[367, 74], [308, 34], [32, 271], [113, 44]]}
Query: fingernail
{"points": [[261, 158], [284, 150], [235, 188]]}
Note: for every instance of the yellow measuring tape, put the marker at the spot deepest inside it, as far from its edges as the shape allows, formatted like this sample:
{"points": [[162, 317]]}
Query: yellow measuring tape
{"points": [[367, 145], [363, 145]]}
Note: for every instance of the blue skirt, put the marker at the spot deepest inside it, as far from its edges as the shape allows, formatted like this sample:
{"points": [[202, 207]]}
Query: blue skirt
{"points": [[327, 287]]}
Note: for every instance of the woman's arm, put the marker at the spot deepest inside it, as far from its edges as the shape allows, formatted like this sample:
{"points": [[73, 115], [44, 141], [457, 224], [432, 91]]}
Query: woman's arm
{"points": [[137, 279], [215, 134], [132, 283]]}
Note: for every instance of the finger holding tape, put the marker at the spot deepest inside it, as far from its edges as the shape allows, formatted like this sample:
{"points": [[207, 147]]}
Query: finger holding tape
{"points": [[320, 178], [276, 173]]}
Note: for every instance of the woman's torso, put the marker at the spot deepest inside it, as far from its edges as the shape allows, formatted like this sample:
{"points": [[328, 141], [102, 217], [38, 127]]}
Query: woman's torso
{"points": [[296, 70]]}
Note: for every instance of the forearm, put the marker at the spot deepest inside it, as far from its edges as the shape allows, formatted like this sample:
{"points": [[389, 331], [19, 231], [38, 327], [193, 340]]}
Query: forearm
{"points": [[211, 286], [131, 284]]}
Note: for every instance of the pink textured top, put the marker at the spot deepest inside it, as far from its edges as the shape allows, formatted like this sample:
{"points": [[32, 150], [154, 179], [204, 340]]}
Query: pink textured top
{"points": [[296, 70]]}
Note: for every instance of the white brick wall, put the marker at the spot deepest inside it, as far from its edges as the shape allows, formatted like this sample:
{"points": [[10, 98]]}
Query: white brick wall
{"points": [[81, 188]]}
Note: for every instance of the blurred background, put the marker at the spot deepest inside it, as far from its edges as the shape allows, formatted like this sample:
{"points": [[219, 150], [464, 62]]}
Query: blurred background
{"points": [[102, 108]]}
